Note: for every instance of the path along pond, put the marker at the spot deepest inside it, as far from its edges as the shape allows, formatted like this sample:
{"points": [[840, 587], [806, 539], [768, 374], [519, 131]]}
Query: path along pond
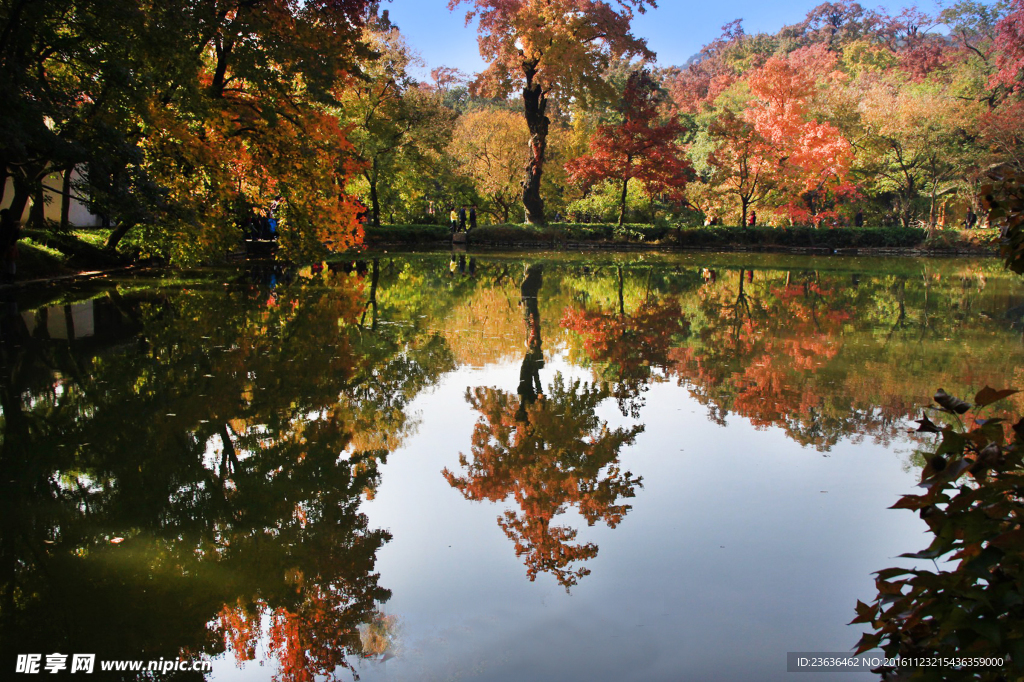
{"points": [[484, 467]]}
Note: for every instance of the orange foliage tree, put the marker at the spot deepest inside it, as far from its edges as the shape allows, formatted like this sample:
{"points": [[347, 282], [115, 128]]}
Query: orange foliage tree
{"points": [[813, 159], [547, 46]]}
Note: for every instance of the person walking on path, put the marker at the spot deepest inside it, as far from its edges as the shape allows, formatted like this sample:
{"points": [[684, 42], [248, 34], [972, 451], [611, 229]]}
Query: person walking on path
{"points": [[454, 218], [462, 219], [472, 217], [753, 219]]}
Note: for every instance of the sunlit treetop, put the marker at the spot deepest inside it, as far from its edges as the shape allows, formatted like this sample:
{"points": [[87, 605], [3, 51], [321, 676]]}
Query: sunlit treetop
{"points": [[559, 44]]}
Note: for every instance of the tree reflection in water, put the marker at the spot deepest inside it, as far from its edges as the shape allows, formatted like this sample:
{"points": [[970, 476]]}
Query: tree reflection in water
{"points": [[624, 349], [202, 490], [548, 451]]}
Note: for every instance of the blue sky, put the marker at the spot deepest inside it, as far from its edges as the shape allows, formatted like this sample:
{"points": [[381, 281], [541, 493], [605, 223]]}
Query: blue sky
{"points": [[675, 31]]}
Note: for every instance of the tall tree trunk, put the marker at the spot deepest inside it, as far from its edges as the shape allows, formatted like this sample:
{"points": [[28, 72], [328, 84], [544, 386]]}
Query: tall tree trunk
{"points": [[622, 202], [37, 216], [535, 105], [119, 232], [20, 199], [743, 211], [3, 178], [65, 200], [371, 178]]}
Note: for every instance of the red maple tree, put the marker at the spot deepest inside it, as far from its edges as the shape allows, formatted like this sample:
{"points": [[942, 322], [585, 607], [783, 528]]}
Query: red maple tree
{"points": [[642, 146]]}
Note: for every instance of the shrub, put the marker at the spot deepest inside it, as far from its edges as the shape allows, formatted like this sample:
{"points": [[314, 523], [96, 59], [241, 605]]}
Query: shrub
{"points": [[406, 234]]}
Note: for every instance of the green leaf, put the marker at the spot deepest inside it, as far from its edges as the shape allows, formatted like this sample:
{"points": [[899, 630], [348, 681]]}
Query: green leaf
{"points": [[952, 443], [988, 629]]}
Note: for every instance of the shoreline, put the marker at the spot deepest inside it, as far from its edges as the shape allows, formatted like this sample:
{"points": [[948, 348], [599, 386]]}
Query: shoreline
{"points": [[611, 247]]}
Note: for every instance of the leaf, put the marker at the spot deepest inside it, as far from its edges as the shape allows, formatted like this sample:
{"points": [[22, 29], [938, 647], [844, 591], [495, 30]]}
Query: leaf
{"points": [[929, 553], [950, 403], [865, 613], [868, 641], [888, 573], [988, 630], [925, 425], [989, 395], [1010, 541], [952, 443], [912, 502]]}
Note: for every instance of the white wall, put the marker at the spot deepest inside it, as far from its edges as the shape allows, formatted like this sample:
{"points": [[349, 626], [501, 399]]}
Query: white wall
{"points": [[79, 215]]}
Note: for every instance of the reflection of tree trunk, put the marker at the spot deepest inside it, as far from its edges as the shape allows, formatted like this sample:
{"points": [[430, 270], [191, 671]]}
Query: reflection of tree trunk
{"points": [[529, 372], [229, 456], [622, 303], [901, 293], [924, 311], [535, 105], [372, 303]]}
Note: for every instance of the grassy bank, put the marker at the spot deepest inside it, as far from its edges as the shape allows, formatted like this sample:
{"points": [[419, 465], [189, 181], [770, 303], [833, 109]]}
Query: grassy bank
{"points": [[561, 234], [45, 254]]}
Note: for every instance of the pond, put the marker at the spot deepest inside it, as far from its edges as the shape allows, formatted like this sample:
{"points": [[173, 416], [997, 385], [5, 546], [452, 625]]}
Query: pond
{"points": [[477, 466]]}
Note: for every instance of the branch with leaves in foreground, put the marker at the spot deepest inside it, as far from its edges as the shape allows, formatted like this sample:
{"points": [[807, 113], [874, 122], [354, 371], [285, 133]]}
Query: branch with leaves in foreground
{"points": [[974, 505]]}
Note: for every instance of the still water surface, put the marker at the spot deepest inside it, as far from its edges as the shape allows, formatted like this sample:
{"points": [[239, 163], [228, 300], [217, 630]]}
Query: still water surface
{"points": [[527, 467]]}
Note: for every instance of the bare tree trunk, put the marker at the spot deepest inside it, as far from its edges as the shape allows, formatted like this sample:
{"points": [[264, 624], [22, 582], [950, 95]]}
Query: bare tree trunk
{"points": [[371, 178], [65, 200], [622, 203], [20, 199], [37, 215], [3, 178], [119, 232], [535, 106]]}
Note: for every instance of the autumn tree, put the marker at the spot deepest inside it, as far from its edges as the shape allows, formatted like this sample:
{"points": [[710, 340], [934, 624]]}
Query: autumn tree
{"points": [[915, 140], [813, 157], [399, 129], [743, 163], [490, 144], [549, 47], [184, 115], [1010, 41], [641, 147]]}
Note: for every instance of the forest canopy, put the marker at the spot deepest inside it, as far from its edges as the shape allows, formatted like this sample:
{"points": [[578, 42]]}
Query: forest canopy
{"points": [[181, 121]]}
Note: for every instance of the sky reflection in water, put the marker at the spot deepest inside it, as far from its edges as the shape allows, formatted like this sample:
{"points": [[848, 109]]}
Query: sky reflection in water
{"points": [[629, 467]]}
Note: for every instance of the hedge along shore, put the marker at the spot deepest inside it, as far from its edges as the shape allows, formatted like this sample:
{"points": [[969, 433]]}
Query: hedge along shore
{"points": [[851, 240]]}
